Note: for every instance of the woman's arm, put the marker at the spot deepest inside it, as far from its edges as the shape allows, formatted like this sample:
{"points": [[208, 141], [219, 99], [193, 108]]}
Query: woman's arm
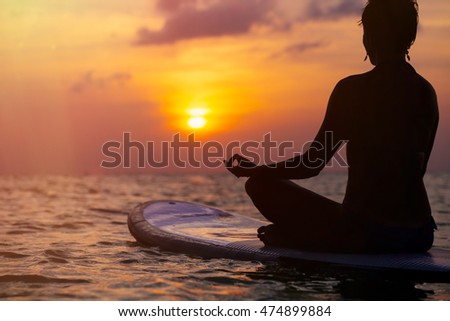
{"points": [[433, 106]]}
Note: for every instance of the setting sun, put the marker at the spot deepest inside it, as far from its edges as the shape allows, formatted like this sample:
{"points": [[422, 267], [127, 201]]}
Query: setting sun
{"points": [[197, 119], [196, 122]]}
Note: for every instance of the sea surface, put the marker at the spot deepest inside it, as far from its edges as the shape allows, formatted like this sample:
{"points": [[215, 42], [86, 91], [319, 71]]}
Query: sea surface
{"points": [[66, 238]]}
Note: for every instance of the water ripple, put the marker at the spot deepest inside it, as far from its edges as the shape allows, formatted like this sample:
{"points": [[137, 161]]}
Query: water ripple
{"points": [[12, 255], [34, 278]]}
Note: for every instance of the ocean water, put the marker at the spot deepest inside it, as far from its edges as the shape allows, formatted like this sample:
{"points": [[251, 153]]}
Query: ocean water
{"points": [[66, 238]]}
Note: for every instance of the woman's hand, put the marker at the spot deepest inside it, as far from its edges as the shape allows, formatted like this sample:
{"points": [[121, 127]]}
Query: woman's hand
{"points": [[240, 166]]}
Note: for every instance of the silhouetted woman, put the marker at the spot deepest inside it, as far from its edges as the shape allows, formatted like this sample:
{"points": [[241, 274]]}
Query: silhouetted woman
{"points": [[389, 117]]}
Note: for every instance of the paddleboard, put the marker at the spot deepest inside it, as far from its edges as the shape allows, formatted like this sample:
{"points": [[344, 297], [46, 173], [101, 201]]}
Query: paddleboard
{"points": [[210, 232]]}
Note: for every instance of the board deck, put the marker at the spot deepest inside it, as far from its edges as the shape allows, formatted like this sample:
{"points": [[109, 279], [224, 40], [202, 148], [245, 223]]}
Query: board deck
{"points": [[209, 232]]}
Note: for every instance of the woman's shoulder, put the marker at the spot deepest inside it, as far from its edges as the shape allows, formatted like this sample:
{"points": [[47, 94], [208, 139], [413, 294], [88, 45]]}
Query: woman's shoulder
{"points": [[365, 79], [355, 79], [424, 85], [352, 83]]}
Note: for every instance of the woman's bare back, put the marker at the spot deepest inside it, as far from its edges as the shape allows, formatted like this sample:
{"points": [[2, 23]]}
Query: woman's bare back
{"points": [[389, 116]]}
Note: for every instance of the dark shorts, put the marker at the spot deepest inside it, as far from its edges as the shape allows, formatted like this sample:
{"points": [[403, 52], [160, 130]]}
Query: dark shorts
{"points": [[378, 238]]}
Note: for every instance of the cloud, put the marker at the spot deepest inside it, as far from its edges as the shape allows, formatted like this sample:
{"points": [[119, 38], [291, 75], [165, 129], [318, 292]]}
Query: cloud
{"points": [[331, 10], [174, 5], [88, 80], [304, 46], [200, 19], [192, 19], [298, 48]]}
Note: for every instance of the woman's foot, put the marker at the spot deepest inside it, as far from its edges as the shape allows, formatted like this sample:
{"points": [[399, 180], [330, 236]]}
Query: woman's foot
{"points": [[261, 233], [273, 235]]}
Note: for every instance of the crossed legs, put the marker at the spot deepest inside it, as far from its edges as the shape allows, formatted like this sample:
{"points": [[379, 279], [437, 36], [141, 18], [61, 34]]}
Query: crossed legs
{"points": [[300, 217]]}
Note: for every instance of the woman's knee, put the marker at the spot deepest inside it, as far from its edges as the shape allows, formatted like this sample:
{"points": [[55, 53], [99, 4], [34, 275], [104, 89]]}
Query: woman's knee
{"points": [[255, 186]]}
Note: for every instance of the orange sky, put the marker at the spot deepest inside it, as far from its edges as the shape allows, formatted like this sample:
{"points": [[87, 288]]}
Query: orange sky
{"points": [[77, 73]]}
